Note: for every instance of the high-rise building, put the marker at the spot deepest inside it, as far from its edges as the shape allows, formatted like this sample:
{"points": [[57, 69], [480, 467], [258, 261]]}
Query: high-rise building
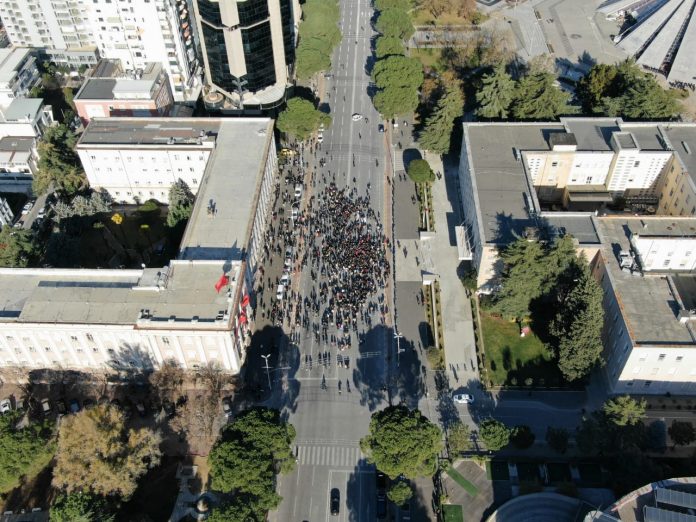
{"points": [[134, 32], [248, 48]]}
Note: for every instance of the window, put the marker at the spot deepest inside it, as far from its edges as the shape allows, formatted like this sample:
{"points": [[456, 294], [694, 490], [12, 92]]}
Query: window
{"points": [[89, 337], [647, 383], [680, 358], [661, 357], [194, 181], [165, 340], [47, 348], [636, 164], [629, 383], [73, 338]]}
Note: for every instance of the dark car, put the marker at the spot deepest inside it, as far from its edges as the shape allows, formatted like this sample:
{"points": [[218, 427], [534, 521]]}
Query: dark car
{"points": [[335, 501], [381, 482], [380, 127]]}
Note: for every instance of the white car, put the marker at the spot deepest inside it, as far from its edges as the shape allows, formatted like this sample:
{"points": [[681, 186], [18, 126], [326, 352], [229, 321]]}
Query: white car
{"points": [[27, 207], [294, 214], [463, 398], [357, 116], [280, 292], [298, 190], [41, 214], [5, 406], [285, 280], [320, 138]]}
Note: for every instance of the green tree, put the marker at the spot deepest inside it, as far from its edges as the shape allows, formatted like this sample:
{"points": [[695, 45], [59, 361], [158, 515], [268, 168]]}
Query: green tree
{"points": [[395, 22], [595, 85], [624, 410], [18, 247], [245, 460], [578, 325], [398, 71], [319, 35], [420, 172], [59, 166], [241, 508], [682, 433], [402, 442], [646, 99], [300, 119], [181, 201], [388, 45], [438, 127], [458, 438], [522, 436], [25, 451], [494, 434], [496, 94], [310, 58], [80, 507], [537, 98], [400, 492], [97, 453], [557, 439], [392, 101]]}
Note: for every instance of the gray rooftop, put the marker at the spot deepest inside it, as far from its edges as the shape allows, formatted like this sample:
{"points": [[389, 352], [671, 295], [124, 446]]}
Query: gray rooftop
{"points": [[221, 220], [160, 132], [683, 66], [592, 134], [647, 135], [683, 141], [10, 58], [646, 302], [579, 225], [97, 89], [109, 82], [637, 39], [20, 108], [502, 187]]}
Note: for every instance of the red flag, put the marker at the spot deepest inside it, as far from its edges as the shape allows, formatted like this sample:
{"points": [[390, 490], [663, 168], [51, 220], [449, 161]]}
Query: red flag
{"points": [[242, 319], [221, 282], [245, 300]]}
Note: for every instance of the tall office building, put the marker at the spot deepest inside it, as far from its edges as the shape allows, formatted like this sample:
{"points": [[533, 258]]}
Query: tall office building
{"points": [[248, 48], [135, 32]]}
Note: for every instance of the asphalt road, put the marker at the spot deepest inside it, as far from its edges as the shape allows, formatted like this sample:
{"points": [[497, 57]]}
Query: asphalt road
{"points": [[330, 420]]}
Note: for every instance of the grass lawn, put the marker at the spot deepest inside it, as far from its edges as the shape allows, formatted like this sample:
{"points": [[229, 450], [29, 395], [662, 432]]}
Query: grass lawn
{"points": [[452, 513], [425, 17], [428, 56], [465, 484], [511, 359]]}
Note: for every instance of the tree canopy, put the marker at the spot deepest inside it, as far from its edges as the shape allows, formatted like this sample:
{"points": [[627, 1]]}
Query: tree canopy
{"points": [[244, 461], [438, 127], [496, 94], [536, 97], [395, 22], [402, 442], [18, 247], [398, 71], [181, 201], [96, 453], [458, 438], [625, 90], [624, 410], [393, 101], [420, 172], [557, 439], [82, 206], [319, 34], [59, 166], [300, 119], [80, 507], [682, 433], [494, 434], [388, 45], [400, 492], [24, 450]]}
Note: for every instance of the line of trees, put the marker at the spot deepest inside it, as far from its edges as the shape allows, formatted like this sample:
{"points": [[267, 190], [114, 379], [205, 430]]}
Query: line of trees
{"points": [[396, 76], [300, 119], [319, 35]]}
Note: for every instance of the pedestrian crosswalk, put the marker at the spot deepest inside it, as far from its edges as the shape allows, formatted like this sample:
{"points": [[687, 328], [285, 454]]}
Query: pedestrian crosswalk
{"points": [[332, 456]]}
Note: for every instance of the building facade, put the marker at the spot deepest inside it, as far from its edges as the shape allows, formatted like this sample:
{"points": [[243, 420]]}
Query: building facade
{"points": [[196, 310], [248, 48], [18, 73], [25, 118], [6, 215], [18, 163], [110, 92]]}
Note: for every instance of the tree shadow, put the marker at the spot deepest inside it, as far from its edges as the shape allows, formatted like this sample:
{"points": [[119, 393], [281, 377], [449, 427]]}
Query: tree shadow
{"points": [[368, 378], [409, 155], [360, 492]]}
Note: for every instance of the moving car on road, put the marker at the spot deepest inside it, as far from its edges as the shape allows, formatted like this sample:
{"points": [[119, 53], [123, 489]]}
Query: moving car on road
{"points": [[463, 398], [298, 190], [357, 116], [280, 292]]}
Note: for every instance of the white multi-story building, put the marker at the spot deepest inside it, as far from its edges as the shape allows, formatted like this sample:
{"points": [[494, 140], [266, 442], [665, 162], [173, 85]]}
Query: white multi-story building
{"points": [[18, 73], [18, 163], [6, 215], [135, 32], [25, 118], [196, 310]]}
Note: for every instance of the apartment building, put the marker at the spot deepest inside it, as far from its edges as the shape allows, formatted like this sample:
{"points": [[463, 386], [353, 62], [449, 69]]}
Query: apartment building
{"points": [[18, 73], [25, 118], [134, 32], [6, 215], [248, 48], [195, 310], [18, 163], [109, 92]]}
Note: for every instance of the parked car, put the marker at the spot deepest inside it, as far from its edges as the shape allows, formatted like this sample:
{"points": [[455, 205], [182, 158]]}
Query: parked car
{"points": [[227, 407], [75, 406], [45, 406], [294, 214], [463, 398], [285, 280], [27, 207], [335, 502], [280, 292], [405, 511], [5, 406], [380, 127]]}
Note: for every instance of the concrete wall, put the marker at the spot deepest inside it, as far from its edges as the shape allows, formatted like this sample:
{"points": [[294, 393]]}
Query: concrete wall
{"points": [[677, 191]]}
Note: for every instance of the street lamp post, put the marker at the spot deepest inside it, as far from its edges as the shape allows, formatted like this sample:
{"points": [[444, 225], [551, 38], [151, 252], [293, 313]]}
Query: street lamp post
{"points": [[268, 375], [398, 337]]}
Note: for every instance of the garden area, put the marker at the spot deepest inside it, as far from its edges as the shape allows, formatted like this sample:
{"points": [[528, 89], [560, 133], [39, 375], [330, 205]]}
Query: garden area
{"points": [[512, 360], [452, 513]]}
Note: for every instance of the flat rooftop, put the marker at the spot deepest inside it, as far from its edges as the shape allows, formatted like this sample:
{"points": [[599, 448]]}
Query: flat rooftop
{"points": [[22, 109], [592, 134], [646, 135], [647, 302], [502, 187], [14, 150], [160, 132], [682, 137], [10, 58], [579, 225], [109, 82]]}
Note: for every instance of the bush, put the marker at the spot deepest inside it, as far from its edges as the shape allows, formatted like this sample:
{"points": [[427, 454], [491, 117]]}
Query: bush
{"points": [[150, 205], [522, 437]]}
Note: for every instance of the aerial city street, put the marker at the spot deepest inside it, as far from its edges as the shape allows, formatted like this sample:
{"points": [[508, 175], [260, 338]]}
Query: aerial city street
{"points": [[347, 260]]}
